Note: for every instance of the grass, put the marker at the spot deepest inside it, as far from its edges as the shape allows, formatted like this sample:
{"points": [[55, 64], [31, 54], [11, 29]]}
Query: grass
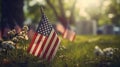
{"points": [[79, 53]]}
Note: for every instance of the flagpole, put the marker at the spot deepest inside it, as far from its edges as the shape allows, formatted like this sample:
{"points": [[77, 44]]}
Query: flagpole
{"points": [[41, 9]]}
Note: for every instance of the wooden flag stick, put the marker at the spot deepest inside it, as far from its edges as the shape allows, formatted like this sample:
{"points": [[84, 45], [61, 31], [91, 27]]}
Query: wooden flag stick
{"points": [[41, 9]]}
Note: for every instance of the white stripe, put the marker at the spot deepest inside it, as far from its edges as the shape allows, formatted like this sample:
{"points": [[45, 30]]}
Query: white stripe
{"points": [[47, 42], [39, 46], [65, 34], [53, 43], [72, 36], [34, 44], [55, 50]]}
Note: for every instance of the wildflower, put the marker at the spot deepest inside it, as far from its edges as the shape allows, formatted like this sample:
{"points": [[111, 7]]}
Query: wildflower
{"points": [[8, 45], [15, 39], [61, 56], [62, 47], [26, 37], [8, 42], [25, 28], [98, 51], [108, 51], [20, 37], [21, 33], [12, 32]]}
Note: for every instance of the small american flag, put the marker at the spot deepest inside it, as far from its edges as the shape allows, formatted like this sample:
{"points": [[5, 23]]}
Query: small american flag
{"points": [[68, 34], [45, 41]]}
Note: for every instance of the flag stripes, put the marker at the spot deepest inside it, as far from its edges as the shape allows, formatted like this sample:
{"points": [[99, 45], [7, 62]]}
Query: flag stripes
{"points": [[37, 44], [66, 33], [44, 47], [45, 41], [46, 44], [31, 44], [49, 45], [52, 45], [39, 47], [69, 34], [53, 51], [39, 53]]}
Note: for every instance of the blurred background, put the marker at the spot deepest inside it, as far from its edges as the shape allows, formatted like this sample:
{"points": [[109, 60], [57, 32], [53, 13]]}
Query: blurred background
{"points": [[96, 23], [82, 16]]}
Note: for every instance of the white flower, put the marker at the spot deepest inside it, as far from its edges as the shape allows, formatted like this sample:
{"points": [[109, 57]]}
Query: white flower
{"points": [[26, 37], [25, 28], [108, 51], [12, 32], [20, 37], [8, 44], [20, 33], [98, 51], [15, 39]]}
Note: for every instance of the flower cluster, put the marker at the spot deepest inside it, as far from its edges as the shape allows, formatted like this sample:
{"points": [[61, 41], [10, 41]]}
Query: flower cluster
{"points": [[22, 35], [14, 38], [108, 52], [98, 51]]}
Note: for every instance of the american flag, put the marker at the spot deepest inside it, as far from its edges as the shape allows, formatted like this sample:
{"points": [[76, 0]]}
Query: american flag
{"points": [[68, 34], [45, 41]]}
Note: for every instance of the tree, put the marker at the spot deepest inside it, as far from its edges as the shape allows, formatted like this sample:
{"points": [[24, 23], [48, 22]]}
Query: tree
{"points": [[55, 9], [60, 12], [12, 15], [114, 9], [94, 12], [109, 15]]}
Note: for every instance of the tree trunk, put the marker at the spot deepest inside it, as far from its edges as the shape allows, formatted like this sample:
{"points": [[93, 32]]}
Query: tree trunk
{"points": [[12, 15]]}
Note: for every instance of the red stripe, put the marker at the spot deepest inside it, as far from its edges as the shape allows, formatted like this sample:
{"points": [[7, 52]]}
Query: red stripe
{"points": [[42, 47], [37, 44], [53, 49], [31, 44], [49, 44]]}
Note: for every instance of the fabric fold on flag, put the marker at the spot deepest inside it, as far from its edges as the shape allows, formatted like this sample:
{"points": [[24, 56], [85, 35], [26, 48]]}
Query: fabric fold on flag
{"points": [[45, 41]]}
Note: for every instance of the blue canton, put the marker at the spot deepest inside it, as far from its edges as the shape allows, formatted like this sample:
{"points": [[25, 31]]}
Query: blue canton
{"points": [[44, 27]]}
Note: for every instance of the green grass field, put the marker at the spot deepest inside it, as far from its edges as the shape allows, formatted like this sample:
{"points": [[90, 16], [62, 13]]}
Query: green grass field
{"points": [[79, 53]]}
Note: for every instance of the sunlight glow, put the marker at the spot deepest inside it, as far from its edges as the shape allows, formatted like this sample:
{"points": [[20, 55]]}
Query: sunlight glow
{"points": [[33, 2], [83, 4]]}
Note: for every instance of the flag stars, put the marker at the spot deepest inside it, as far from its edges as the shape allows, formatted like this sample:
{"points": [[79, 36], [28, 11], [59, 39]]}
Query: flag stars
{"points": [[38, 31], [44, 27]]}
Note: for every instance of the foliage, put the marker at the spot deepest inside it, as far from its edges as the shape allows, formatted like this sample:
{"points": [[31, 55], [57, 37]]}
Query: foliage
{"points": [[113, 9], [79, 53], [56, 11], [13, 38], [94, 12], [104, 20]]}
